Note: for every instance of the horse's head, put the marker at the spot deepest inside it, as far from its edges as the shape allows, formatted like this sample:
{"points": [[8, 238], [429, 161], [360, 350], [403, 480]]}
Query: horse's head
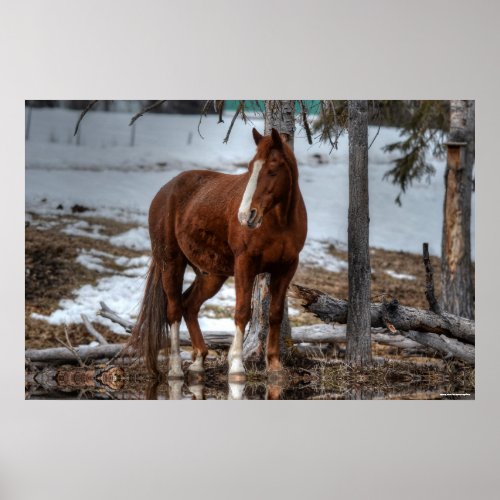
{"points": [[269, 181]]}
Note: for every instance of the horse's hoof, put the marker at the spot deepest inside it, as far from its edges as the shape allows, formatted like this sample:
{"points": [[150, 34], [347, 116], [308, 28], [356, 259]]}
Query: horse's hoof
{"points": [[175, 375], [175, 368], [236, 391], [237, 377], [195, 375], [175, 389], [274, 392], [276, 377], [197, 391], [196, 368]]}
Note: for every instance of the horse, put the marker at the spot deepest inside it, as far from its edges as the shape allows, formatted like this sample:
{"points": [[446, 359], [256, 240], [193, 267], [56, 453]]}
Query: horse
{"points": [[221, 225]]}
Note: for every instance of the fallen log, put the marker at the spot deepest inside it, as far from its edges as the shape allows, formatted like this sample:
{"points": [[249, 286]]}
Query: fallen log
{"points": [[321, 333], [452, 347], [403, 318], [314, 334], [325, 334], [84, 353]]}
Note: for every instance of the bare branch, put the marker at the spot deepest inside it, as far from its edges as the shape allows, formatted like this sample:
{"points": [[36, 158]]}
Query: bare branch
{"points": [[239, 110], [376, 135], [305, 123], [219, 107], [145, 110], [90, 328], [70, 348], [202, 114], [90, 105], [108, 313]]}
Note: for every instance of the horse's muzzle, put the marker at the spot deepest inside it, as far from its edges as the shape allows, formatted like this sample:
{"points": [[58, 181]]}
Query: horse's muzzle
{"points": [[250, 219]]}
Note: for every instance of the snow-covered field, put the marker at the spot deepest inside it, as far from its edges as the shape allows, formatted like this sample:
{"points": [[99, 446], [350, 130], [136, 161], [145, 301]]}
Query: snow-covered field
{"points": [[103, 171]]}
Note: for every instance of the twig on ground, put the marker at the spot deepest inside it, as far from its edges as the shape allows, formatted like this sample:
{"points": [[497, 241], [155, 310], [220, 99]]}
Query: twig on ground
{"points": [[90, 328], [108, 313], [70, 348]]}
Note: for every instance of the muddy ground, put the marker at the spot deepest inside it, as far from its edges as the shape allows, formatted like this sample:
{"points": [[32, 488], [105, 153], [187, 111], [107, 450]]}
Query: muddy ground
{"points": [[52, 274]]}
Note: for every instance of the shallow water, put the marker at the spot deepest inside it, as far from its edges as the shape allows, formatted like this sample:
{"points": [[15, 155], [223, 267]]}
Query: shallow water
{"points": [[179, 390]]}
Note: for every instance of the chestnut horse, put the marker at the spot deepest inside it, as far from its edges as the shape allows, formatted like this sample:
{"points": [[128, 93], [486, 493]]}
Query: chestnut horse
{"points": [[222, 225]]}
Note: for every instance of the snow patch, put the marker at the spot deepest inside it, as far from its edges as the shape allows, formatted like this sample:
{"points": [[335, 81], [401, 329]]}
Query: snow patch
{"points": [[83, 228], [400, 276], [317, 254], [136, 238], [91, 262]]}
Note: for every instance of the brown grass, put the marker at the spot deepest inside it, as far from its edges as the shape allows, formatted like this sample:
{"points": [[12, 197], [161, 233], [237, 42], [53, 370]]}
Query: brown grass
{"points": [[52, 274]]}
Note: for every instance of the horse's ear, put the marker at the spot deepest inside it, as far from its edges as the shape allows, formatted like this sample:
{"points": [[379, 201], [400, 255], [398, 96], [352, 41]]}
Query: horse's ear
{"points": [[256, 136], [277, 140]]}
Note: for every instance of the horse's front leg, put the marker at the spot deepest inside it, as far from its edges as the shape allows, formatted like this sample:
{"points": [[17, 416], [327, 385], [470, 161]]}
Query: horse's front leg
{"points": [[244, 276], [279, 286]]}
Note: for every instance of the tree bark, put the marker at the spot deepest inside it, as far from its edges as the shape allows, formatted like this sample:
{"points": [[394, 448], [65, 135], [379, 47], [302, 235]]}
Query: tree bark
{"points": [[255, 340], [281, 116], [332, 310], [358, 319], [456, 267]]}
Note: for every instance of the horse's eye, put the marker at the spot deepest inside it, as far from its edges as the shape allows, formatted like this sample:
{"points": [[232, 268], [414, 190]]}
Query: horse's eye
{"points": [[272, 173]]}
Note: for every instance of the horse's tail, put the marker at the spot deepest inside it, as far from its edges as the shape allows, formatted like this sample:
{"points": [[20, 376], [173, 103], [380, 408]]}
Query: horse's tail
{"points": [[150, 332]]}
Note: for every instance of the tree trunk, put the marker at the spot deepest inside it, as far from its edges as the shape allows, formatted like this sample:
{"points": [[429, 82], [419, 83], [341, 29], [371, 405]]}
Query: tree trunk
{"points": [[253, 345], [456, 267], [358, 319], [281, 116]]}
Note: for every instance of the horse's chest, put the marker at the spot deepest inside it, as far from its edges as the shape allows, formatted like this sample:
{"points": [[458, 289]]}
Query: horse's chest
{"points": [[279, 251]]}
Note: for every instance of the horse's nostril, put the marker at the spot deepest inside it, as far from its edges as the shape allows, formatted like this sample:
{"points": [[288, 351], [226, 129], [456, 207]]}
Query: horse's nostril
{"points": [[252, 216]]}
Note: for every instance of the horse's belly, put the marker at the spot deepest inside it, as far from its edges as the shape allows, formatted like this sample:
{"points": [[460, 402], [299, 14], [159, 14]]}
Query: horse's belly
{"points": [[207, 252]]}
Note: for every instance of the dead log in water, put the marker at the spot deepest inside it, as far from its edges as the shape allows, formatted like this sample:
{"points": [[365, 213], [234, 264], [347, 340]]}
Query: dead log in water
{"points": [[403, 318]]}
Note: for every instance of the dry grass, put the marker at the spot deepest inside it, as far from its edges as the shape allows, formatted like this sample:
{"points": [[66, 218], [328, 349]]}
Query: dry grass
{"points": [[52, 274]]}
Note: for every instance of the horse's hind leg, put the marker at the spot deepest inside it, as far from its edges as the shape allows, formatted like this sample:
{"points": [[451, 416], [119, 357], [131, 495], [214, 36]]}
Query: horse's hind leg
{"points": [[203, 287], [172, 279]]}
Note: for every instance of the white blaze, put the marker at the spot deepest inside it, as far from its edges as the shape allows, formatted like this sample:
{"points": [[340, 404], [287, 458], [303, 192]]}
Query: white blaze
{"points": [[246, 202]]}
